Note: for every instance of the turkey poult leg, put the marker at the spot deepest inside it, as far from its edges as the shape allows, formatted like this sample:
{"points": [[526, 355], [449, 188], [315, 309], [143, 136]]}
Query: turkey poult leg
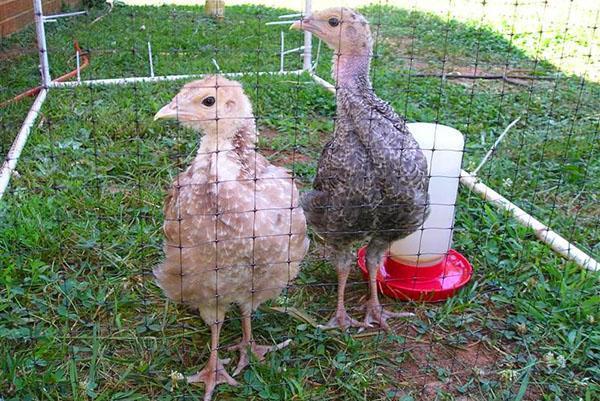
{"points": [[344, 260], [375, 313], [213, 373], [259, 351]]}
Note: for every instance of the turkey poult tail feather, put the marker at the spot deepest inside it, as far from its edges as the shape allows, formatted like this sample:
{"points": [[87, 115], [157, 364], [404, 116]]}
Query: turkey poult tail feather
{"points": [[315, 202]]}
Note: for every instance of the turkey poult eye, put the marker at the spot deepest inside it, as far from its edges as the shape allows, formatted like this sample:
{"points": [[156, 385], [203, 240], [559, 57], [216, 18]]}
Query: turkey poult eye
{"points": [[333, 22], [209, 101]]}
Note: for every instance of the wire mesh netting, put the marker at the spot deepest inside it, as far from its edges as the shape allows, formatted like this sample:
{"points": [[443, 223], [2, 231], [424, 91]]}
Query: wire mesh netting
{"points": [[100, 183]]}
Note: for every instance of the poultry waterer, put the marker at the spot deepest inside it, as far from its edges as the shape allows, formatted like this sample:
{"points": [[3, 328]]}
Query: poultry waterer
{"points": [[422, 266]]}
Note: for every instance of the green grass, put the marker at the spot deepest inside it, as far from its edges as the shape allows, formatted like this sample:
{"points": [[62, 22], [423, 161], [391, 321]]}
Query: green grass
{"points": [[80, 228]]}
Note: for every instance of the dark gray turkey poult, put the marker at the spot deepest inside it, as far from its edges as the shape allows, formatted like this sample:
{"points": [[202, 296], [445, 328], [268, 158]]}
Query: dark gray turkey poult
{"points": [[372, 179]]}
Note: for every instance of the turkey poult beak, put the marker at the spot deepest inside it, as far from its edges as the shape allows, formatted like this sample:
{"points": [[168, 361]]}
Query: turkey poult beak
{"points": [[305, 24], [168, 112]]}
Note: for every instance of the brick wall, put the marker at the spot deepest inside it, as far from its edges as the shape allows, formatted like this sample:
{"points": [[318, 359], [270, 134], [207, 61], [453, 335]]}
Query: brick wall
{"points": [[17, 14]]}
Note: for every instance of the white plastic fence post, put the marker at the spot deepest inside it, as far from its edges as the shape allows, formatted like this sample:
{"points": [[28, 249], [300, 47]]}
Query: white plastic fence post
{"points": [[41, 40], [281, 55], [307, 65], [150, 59], [77, 57]]}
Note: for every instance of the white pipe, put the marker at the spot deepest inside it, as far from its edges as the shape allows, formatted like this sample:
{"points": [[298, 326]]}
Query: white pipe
{"points": [[41, 40], [78, 66], [150, 60], [123, 81], [323, 83], [494, 147], [10, 163], [282, 50], [543, 232], [316, 62], [290, 15], [280, 22], [307, 40], [53, 17], [297, 49], [216, 65]]}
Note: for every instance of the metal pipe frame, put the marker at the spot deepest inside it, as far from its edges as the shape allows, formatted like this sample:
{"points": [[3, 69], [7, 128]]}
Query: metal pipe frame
{"points": [[55, 17]]}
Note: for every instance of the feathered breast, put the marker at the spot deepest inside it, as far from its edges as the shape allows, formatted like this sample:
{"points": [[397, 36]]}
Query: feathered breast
{"points": [[372, 175]]}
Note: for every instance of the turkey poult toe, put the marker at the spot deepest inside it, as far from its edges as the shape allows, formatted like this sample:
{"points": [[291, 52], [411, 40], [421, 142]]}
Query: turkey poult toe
{"points": [[247, 344], [376, 313], [371, 183], [259, 352], [234, 231], [341, 320], [213, 374]]}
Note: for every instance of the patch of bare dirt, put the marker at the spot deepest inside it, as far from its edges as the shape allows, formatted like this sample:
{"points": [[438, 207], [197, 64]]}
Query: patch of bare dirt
{"points": [[431, 366], [460, 70], [15, 52], [428, 360], [268, 133], [282, 158]]}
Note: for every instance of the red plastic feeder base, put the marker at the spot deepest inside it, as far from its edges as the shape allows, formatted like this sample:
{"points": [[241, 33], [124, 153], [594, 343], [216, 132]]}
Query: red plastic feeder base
{"points": [[420, 283]]}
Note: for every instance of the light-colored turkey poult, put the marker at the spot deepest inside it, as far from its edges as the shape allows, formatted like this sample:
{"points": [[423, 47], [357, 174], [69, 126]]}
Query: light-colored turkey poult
{"points": [[235, 233]]}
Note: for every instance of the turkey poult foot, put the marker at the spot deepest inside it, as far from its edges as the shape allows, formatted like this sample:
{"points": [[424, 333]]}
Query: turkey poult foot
{"points": [[259, 352], [213, 374], [375, 313], [341, 320]]}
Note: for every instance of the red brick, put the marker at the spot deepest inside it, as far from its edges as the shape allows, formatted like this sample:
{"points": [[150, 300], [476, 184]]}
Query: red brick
{"points": [[16, 23], [51, 6], [17, 14], [13, 8]]}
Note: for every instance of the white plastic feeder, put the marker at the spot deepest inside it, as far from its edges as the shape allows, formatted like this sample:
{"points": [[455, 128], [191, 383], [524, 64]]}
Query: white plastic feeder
{"points": [[422, 266], [443, 147]]}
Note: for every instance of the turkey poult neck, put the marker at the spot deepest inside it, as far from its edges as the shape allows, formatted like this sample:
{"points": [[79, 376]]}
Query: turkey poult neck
{"points": [[238, 136], [351, 72], [230, 156]]}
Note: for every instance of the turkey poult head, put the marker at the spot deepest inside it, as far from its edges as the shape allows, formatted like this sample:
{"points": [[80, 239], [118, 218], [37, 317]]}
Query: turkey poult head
{"points": [[343, 29], [214, 105]]}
